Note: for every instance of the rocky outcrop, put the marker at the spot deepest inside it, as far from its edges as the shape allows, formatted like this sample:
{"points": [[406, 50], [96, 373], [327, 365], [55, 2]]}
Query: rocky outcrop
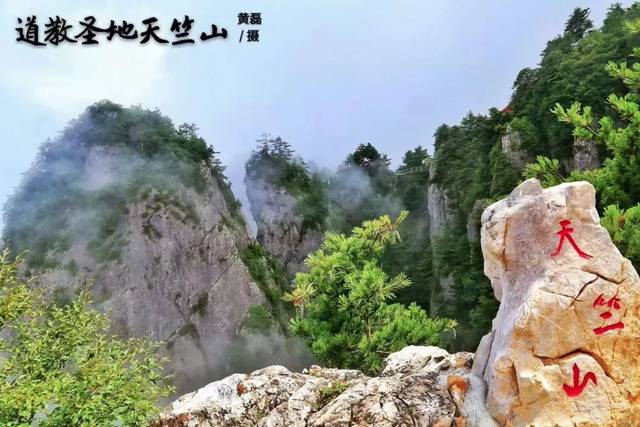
{"points": [[424, 386], [473, 221], [280, 228], [443, 291], [511, 148], [436, 208], [169, 270], [437, 204], [564, 346]]}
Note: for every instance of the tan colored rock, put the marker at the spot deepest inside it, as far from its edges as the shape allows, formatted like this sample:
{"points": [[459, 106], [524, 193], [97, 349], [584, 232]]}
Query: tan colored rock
{"points": [[559, 314], [458, 387]]}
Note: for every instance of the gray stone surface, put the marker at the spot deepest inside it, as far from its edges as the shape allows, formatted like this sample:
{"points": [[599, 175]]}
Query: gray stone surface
{"points": [[280, 228], [422, 386], [179, 278], [511, 148]]}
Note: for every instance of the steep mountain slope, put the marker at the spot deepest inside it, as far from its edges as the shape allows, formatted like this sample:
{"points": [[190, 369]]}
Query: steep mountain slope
{"points": [[287, 202], [140, 212]]}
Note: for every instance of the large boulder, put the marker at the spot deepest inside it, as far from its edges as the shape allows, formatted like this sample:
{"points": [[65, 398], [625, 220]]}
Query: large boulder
{"points": [[423, 386], [564, 348]]}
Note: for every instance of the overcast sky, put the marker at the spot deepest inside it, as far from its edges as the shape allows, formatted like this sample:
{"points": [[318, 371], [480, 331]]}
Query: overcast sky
{"points": [[326, 75]]}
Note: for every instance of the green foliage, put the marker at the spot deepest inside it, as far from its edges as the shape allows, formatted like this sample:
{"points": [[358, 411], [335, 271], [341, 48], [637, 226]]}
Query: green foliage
{"points": [[572, 67], [59, 366], [624, 228], [468, 160], [269, 275], [258, 319], [344, 302], [362, 188], [578, 24], [503, 175], [545, 170], [617, 181], [411, 183], [527, 135], [413, 177]]}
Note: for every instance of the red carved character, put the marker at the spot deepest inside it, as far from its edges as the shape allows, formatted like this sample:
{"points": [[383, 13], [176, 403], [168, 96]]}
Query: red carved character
{"points": [[578, 387], [567, 233], [613, 302]]}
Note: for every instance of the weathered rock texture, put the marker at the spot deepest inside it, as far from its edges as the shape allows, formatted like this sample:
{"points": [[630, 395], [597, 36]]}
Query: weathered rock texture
{"points": [[564, 348], [280, 229], [437, 205], [422, 386], [178, 277], [438, 208], [511, 148]]}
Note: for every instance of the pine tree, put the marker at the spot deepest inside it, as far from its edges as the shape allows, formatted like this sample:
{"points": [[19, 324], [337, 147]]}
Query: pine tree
{"points": [[344, 302], [578, 24]]}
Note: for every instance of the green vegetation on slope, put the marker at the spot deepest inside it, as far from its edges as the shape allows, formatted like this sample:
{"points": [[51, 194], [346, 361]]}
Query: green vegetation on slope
{"points": [[61, 190], [270, 276], [60, 367]]}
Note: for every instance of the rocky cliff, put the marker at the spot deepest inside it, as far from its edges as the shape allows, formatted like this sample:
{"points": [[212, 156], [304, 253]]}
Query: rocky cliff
{"points": [[511, 144], [156, 237], [438, 210], [281, 229], [178, 278]]}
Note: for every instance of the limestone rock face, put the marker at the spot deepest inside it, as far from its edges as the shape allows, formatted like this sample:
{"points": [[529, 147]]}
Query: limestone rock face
{"points": [[178, 277], [564, 348], [473, 221], [511, 149], [436, 209], [280, 229], [423, 386]]}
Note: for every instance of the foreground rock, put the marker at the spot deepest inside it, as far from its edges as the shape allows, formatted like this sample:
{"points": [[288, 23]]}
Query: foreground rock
{"points": [[424, 386], [564, 347]]}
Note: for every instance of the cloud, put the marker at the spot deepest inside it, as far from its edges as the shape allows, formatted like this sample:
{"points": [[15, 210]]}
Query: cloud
{"points": [[65, 79], [76, 77]]}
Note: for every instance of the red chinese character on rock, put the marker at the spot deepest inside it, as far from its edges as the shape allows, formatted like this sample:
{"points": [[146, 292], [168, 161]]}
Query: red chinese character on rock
{"points": [[567, 233], [614, 303], [578, 387]]}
